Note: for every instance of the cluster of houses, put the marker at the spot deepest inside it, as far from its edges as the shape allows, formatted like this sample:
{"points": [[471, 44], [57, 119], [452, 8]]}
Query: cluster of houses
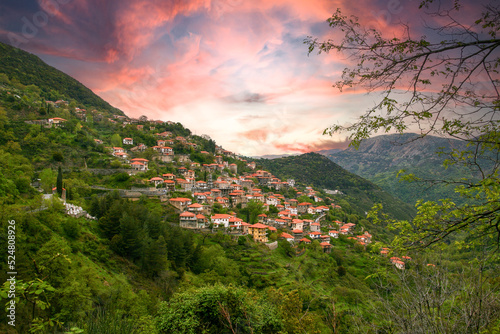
{"points": [[198, 216], [49, 122], [231, 191]]}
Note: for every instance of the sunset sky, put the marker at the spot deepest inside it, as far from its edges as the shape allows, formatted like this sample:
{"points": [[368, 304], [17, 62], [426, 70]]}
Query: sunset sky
{"points": [[235, 70]]}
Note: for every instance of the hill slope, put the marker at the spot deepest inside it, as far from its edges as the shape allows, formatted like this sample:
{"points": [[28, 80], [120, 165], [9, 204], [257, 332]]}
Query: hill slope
{"points": [[31, 70], [319, 171], [379, 159]]}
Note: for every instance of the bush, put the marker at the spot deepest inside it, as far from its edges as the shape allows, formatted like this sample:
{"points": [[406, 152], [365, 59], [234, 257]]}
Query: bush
{"points": [[210, 309], [71, 228]]}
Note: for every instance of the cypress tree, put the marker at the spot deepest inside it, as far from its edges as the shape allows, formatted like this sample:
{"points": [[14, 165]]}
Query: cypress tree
{"points": [[59, 183]]}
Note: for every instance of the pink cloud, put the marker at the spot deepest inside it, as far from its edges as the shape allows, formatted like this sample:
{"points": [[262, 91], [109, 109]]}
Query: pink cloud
{"points": [[238, 65], [312, 147]]}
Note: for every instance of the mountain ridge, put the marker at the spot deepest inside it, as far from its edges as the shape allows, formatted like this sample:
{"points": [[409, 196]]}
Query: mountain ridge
{"points": [[380, 158], [29, 69]]}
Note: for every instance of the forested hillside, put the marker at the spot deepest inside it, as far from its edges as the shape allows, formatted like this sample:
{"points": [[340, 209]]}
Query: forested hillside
{"points": [[28, 69], [316, 170]]}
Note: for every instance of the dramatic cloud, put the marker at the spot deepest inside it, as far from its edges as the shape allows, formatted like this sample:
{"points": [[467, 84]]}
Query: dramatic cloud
{"points": [[233, 69]]}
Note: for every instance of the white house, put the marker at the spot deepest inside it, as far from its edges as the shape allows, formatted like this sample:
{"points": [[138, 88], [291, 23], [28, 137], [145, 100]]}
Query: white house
{"points": [[334, 234], [220, 219], [128, 141]]}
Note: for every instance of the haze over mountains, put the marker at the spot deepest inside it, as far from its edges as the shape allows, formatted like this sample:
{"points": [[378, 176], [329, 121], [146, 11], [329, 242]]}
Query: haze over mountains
{"points": [[379, 159]]}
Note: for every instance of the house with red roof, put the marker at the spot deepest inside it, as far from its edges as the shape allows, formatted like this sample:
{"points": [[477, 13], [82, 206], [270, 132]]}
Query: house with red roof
{"points": [[303, 207], [333, 234], [311, 210], [297, 224], [315, 227], [195, 208], [327, 247], [56, 121], [128, 141], [180, 202], [297, 234], [325, 238], [165, 134], [145, 162], [262, 218], [169, 184], [188, 220], [118, 150], [399, 264], [314, 235], [287, 236], [220, 219], [156, 181], [235, 222], [136, 165], [272, 200]]}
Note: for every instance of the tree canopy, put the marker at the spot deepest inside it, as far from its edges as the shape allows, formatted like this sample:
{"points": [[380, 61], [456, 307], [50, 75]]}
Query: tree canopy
{"points": [[446, 85]]}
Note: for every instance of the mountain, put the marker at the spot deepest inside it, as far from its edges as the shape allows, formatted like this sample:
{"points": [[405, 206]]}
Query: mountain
{"points": [[28, 69], [316, 170], [380, 158], [272, 156], [328, 152]]}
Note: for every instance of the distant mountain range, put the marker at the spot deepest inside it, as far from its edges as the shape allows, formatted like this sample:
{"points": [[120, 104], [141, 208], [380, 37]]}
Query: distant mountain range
{"points": [[276, 156], [273, 156], [379, 159]]}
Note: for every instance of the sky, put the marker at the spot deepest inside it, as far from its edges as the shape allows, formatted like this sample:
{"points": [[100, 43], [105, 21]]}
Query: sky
{"points": [[235, 70]]}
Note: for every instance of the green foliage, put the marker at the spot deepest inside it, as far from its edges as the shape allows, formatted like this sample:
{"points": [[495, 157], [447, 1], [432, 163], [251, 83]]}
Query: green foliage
{"points": [[251, 212], [116, 140], [218, 309]]}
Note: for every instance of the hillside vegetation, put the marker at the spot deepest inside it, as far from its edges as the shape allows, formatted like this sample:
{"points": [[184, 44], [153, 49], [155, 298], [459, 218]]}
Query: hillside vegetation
{"points": [[316, 170], [28, 69]]}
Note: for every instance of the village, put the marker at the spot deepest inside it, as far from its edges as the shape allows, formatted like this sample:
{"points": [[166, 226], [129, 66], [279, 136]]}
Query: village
{"points": [[282, 217]]}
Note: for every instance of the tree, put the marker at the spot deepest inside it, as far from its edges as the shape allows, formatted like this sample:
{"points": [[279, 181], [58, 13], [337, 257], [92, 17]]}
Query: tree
{"points": [[47, 179], [252, 211], [447, 86], [59, 182], [428, 298], [218, 309], [116, 140]]}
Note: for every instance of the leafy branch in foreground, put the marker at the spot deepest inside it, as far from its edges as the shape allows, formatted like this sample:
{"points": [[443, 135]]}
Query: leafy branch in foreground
{"points": [[446, 86]]}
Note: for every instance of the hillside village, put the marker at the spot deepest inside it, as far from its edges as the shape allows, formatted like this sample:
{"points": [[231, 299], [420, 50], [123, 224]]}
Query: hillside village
{"points": [[218, 183]]}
